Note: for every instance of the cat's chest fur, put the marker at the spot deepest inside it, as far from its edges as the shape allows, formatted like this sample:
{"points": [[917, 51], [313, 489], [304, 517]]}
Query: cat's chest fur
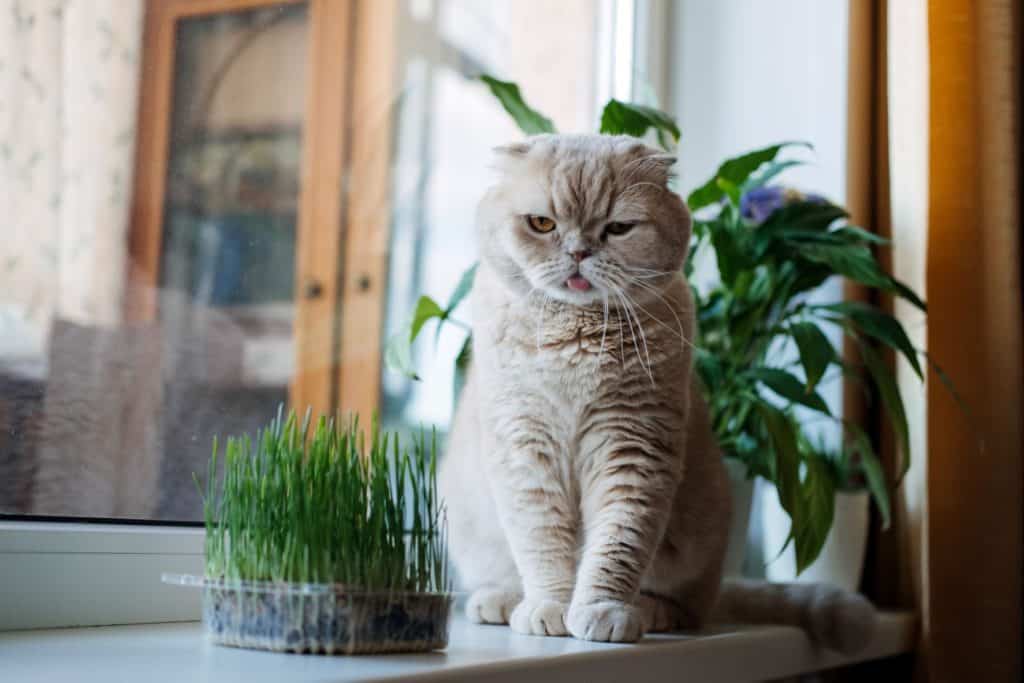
{"points": [[562, 356]]}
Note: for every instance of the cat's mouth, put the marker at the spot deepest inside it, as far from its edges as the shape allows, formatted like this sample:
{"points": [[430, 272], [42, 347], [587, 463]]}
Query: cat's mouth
{"points": [[578, 283]]}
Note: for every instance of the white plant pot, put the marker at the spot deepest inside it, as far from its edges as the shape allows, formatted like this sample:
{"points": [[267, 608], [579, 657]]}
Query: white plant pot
{"points": [[841, 561], [742, 499]]}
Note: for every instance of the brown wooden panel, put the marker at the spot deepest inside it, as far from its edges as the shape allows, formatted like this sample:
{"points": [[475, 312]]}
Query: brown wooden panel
{"points": [[318, 245], [368, 211]]}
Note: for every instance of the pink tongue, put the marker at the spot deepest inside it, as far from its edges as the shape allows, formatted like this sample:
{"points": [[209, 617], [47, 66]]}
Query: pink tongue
{"points": [[578, 282]]}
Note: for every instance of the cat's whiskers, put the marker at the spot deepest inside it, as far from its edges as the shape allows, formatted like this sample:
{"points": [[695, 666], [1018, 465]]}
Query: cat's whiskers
{"points": [[604, 327], [629, 323], [613, 279], [622, 345], [626, 301], [605, 276], [630, 314], [680, 334], [543, 273], [637, 270]]}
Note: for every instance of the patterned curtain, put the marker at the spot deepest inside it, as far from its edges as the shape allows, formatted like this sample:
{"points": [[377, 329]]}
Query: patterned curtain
{"points": [[69, 72]]}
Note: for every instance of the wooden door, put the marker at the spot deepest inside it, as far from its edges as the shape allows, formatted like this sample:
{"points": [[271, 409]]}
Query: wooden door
{"points": [[306, 84]]}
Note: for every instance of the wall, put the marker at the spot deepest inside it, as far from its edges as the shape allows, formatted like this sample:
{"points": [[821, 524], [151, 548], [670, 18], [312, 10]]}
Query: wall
{"points": [[747, 73]]}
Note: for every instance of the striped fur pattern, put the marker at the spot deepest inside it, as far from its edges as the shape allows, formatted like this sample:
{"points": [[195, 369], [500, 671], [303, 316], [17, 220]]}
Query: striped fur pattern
{"points": [[586, 494]]}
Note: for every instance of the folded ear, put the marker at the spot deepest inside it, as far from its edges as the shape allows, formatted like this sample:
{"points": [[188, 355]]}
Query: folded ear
{"points": [[510, 156], [651, 168], [666, 161], [514, 149]]}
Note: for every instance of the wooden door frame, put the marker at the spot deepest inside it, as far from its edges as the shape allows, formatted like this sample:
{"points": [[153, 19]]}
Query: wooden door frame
{"points": [[343, 218], [368, 211]]}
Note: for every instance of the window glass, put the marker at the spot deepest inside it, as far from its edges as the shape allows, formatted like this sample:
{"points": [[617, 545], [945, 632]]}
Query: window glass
{"points": [[156, 279], [449, 123], [130, 336]]}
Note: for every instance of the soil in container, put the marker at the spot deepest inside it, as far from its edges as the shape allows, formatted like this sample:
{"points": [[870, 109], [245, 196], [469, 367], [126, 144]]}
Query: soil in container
{"points": [[322, 619]]}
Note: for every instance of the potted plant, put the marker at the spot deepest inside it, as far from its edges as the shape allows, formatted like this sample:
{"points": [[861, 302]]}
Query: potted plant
{"points": [[763, 348], [315, 543]]}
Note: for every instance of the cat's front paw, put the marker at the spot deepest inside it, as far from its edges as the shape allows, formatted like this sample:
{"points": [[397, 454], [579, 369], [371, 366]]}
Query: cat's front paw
{"points": [[492, 605], [539, 618], [608, 621]]}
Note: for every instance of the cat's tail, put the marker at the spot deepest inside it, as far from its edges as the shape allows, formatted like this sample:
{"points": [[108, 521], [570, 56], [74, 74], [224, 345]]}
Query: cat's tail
{"points": [[835, 618]]}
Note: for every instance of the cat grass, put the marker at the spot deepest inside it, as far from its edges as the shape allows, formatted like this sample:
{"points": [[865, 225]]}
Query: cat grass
{"points": [[306, 503], [319, 540]]}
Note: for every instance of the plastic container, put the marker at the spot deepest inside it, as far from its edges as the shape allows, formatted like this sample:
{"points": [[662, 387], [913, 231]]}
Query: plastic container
{"points": [[319, 618]]}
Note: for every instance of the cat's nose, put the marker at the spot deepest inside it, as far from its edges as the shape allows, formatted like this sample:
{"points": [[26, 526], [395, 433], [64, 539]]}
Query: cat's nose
{"points": [[580, 254]]}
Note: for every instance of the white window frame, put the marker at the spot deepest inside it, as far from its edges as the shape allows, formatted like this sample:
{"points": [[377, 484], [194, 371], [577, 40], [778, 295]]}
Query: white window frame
{"points": [[63, 574], [92, 574]]}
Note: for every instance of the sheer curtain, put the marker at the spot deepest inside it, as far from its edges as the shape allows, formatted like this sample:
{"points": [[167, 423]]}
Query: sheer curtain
{"points": [[69, 73]]}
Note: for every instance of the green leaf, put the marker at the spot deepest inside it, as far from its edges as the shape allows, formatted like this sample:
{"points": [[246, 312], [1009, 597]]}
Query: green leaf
{"points": [[801, 219], [892, 400], [462, 366], [398, 351], [426, 309], [852, 233], [786, 472], [907, 293], [735, 171], [947, 382], [768, 172], [816, 351], [789, 387], [624, 118], [730, 189], [879, 325], [818, 501], [398, 355], [853, 261], [709, 367], [461, 290], [529, 120], [728, 254], [875, 478], [858, 263]]}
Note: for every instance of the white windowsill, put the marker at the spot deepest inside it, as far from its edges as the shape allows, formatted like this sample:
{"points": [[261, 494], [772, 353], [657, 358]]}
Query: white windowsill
{"points": [[179, 652]]}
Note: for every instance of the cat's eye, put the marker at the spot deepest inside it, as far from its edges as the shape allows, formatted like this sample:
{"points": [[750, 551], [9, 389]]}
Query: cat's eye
{"points": [[618, 228], [540, 223]]}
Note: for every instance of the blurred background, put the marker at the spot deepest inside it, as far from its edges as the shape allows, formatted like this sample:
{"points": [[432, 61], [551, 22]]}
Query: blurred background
{"points": [[210, 208], [215, 208]]}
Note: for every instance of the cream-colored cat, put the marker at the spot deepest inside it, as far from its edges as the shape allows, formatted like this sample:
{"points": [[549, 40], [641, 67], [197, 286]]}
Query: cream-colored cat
{"points": [[585, 492]]}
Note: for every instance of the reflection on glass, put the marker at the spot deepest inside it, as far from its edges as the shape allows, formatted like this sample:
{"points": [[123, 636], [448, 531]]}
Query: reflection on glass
{"points": [[447, 124], [228, 252], [105, 413], [102, 415]]}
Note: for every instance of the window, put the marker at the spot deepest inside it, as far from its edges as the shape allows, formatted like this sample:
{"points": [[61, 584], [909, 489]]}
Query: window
{"points": [[214, 207]]}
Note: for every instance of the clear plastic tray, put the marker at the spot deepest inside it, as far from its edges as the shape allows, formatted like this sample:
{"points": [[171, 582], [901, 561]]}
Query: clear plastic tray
{"points": [[319, 618]]}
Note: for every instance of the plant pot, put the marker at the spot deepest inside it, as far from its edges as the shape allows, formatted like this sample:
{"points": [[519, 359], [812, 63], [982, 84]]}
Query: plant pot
{"points": [[320, 618], [841, 561], [742, 488]]}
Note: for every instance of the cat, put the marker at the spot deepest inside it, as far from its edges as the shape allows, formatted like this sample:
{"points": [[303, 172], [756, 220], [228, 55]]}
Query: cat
{"points": [[586, 495]]}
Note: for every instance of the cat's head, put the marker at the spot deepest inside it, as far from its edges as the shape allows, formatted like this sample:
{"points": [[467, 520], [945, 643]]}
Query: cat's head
{"points": [[583, 218]]}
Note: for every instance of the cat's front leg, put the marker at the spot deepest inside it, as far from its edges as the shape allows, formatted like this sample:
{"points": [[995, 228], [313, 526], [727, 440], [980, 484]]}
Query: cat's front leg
{"points": [[540, 521], [627, 498]]}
